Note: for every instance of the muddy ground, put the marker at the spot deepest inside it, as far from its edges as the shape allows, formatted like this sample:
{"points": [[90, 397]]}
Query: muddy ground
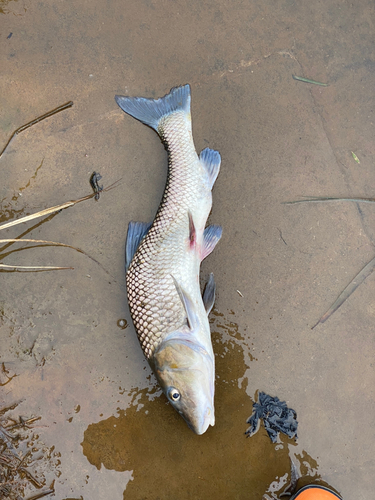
{"points": [[105, 430]]}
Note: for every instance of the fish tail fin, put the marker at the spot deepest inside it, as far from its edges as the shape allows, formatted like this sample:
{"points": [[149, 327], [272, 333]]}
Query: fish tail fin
{"points": [[151, 111]]}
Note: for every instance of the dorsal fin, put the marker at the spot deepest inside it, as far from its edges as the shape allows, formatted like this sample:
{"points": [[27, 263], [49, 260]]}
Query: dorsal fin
{"points": [[211, 160]]}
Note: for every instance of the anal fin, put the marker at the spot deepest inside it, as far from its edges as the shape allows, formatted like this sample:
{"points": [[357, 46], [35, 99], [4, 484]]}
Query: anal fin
{"points": [[209, 294], [136, 232]]}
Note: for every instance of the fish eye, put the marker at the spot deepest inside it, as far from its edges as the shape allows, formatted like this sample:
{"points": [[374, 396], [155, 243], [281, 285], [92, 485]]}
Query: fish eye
{"points": [[174, 394]]}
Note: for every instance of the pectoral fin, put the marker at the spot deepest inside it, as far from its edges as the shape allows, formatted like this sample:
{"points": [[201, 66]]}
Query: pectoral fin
{"points": [[188, 306], [136, 232]]}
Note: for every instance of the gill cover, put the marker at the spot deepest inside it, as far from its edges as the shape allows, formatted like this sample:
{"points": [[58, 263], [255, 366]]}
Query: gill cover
{"points": [[185, 372]]}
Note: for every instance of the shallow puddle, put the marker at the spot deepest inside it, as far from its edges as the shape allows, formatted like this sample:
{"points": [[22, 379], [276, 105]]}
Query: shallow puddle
{"points": [[222, 463]]}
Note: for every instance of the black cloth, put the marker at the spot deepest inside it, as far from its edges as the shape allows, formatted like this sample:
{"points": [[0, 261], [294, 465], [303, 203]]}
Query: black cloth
{"points": [[277, 417]]}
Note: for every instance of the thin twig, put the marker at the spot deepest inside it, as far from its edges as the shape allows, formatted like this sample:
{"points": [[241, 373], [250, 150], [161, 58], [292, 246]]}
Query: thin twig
{"points": [[30, 476], [41, 494], [23, 423], [35, 121], [5, 372], [23, 460]]}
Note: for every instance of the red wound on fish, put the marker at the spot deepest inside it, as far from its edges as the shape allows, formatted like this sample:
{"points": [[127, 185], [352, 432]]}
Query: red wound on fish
{"points": [[192, 232]]}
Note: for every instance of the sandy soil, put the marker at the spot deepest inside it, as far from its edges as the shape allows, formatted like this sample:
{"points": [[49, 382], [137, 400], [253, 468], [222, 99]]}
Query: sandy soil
{"points": [[105, 430]]}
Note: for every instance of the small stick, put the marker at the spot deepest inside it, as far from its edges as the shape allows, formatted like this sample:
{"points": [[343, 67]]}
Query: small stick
{"points": [[41, 494], [23, 423], [30, 476], [35, 121], [23, 460], [8, 379], [307, 80], [5, 372]]}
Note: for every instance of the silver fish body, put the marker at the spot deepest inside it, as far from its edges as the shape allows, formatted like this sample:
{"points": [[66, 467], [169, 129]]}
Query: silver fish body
{"points": [[163, 262]]}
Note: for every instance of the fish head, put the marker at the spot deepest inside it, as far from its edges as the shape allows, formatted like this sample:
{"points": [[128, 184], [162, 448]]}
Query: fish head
{"points": [[186, 373]]}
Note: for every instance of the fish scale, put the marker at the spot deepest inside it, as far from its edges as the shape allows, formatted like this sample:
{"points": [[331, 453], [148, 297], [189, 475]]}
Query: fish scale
{"points": [[155, 305], [163, 261]]}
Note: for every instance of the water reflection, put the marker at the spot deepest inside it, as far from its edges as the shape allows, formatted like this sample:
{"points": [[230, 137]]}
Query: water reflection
{"points": [[168, 460]]}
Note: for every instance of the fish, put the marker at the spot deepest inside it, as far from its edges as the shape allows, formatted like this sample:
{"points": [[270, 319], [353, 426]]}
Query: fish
{"points": [[163, 258]]}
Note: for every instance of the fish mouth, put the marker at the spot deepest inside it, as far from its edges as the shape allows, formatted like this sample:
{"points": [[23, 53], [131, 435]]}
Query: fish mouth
{"points": [[201, 426]]}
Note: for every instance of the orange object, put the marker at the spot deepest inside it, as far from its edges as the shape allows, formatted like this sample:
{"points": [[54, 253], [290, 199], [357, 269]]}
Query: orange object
{"points": [[314, 492]]}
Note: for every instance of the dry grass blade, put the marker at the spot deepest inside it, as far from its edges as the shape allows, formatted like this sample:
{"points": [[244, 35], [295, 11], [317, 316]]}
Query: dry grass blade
{"points": [[45, 212], [51, 210], [35, 121], [346, 293], [50, 268], [317, 199], [360, 277], [48, 243]]}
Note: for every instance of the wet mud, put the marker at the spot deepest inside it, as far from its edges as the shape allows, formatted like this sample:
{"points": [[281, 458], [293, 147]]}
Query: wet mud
{"points": [[68, 350], [139, 439]]}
